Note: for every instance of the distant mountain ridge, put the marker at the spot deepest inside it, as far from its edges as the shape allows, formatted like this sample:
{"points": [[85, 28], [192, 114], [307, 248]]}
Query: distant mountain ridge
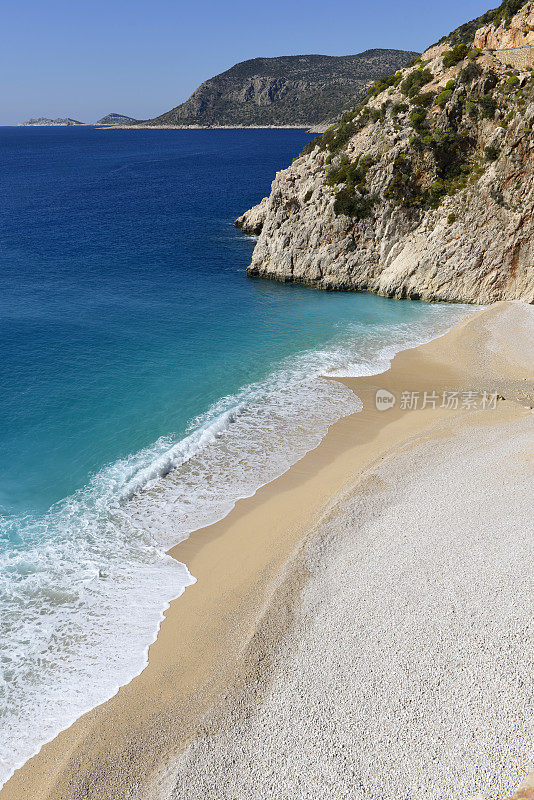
{"points": [[286, 90]]}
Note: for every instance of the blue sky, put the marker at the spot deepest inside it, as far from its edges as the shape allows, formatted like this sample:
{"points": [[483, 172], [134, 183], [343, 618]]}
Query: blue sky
{"points": [[85, 59]]}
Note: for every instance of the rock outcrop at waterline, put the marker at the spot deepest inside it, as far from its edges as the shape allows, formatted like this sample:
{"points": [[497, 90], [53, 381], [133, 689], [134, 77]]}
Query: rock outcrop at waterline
{"points": [[252, 221], [426, 190]]}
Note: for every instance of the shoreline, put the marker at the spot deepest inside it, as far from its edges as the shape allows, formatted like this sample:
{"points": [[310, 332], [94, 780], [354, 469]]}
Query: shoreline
{"points": [[207, 127], [309, 128], [129, 739], [174, 127]]}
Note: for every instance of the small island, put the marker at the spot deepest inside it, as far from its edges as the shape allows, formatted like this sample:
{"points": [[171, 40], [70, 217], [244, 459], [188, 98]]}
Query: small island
{"points": [[115, 119], [45, 121]]}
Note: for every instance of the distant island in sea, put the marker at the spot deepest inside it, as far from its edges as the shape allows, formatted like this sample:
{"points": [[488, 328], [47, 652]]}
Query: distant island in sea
{"points": [[45, 121], [115, 119], [108, 119], [286, 91]]}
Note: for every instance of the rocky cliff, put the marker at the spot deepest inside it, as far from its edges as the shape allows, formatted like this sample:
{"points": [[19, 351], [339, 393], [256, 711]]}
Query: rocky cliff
{"points": [[426, 189], [289, 90]]}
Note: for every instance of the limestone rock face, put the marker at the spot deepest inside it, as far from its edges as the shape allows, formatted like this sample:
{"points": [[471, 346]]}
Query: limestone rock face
{"points": [[252, 221], [518, 33], [474, 244]]}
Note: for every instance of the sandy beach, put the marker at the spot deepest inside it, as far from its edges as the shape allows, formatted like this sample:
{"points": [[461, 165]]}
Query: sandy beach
{"points": [[362, 626]]}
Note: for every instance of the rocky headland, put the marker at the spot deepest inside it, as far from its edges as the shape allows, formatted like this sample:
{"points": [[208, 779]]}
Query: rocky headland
{"points": [[286, 91], [115, 119], [426, 189]]}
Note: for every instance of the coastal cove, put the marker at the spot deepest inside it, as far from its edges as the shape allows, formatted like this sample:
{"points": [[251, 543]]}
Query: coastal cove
{"points": [[220, 639], [148, 385], [267, 402]]}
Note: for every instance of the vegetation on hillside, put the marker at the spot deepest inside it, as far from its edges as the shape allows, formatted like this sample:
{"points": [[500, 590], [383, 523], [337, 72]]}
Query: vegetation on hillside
{"points": [[503, 13], [290, 90], [442, 154]]}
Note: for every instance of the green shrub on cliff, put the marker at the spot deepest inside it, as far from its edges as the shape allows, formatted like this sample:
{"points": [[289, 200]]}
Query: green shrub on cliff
{"points": [[416, 183], [399, 108], [418, 118], [491, 153], [471, 108], [426, 99], [310, 146], [454, 56], [450, 149], [488, 104], [414, 81], [337, 136], [382, 84], [351, 204], [470, 73], [437, 191], [403, 189], [350, 172], [444, 97]]}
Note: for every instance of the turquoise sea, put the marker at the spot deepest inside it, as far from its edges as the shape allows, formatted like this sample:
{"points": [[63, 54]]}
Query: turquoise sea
{"points": [[146, 385]]}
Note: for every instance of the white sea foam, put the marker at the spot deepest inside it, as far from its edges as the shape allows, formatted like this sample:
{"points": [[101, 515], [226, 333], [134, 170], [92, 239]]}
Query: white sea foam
{"points": [[84, 590]]}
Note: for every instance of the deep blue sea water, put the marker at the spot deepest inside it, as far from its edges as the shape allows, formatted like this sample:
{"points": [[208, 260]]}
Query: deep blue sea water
{"points": [[146, 384]]}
